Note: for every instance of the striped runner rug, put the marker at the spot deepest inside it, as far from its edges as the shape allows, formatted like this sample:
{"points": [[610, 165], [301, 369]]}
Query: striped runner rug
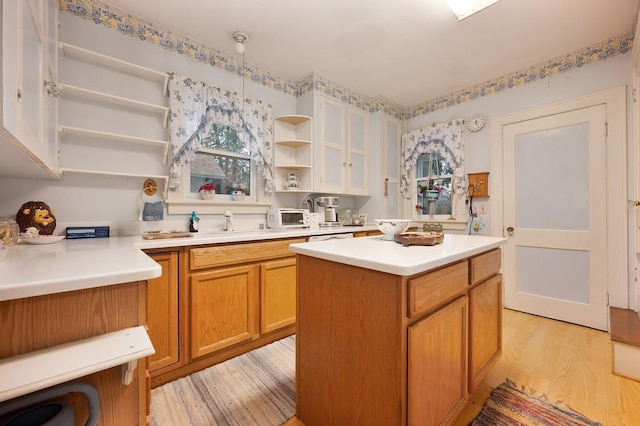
{"points": [[508, 406], [256, 388]]}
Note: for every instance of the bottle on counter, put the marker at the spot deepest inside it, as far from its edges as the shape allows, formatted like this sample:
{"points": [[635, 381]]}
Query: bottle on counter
{"points": [[228, 220], [194, 222]]}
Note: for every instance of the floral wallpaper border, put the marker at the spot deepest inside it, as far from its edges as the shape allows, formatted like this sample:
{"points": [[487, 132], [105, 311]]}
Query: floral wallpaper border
{"points": [[134, 26]]}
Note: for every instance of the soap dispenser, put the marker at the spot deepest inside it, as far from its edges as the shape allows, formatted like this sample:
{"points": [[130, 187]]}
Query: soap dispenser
{"points": [[194, 222], [228, 220]]}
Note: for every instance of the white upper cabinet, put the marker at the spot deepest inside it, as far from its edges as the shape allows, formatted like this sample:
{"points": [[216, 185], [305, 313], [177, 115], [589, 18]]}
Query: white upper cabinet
{"points": [[356, 152], [343, 144], [28, 147]]}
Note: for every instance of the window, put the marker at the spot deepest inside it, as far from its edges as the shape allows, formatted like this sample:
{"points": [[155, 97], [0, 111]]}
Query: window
{"points": [[224, 161], [433, 185], [433, 176], [221, 138]]}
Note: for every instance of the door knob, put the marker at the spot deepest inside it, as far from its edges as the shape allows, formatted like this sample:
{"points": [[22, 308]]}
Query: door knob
{"points": [[510, 230]]}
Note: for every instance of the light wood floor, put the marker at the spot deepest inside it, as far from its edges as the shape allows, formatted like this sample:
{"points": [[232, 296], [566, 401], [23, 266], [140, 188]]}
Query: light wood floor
{"points": [[567, 363]]}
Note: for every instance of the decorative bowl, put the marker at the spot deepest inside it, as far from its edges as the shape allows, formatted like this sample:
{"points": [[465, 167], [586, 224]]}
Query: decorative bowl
{"points": [[391, 227], [207, 194], [237, 195], [41, 239]]}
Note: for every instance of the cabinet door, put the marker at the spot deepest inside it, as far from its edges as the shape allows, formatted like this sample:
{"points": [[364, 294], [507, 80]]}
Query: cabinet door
{"points": [[224, 306], [357, 157], [29, 28], [485, 329], [332, 137], [277, 294], [162, 312], [437, 370], [23, 69]]}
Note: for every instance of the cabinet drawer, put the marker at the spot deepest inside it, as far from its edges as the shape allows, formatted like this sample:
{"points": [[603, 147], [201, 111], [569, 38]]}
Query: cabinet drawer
{"points": [[221, 255], [430, 290], [484, 266]]}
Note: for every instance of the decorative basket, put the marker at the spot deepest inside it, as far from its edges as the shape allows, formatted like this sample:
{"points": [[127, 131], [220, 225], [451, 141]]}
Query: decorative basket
{"points": [[391, 227]]}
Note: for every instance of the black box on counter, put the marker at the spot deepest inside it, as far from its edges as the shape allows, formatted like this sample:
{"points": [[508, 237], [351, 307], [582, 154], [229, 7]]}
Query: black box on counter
{"points": [[76, 232]]}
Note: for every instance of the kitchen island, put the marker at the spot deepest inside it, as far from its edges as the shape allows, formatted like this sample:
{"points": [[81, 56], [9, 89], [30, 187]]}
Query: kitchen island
{"points": [[395, 335]]}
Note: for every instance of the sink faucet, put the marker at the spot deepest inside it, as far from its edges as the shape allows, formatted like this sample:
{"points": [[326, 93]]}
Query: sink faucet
{"points": [[228, 220]]}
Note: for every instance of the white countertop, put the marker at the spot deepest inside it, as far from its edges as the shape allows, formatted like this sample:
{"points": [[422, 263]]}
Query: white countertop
{"points": [[68, 265], [391, 257]]}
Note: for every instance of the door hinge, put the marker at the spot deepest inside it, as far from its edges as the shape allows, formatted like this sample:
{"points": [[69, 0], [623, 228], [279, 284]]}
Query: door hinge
{"points": [[607, 299], [52, 88], [633, 95], [606, 129]]}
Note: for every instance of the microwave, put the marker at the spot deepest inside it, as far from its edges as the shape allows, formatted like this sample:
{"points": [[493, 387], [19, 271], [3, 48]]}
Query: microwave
{"points": [[287, 218]]}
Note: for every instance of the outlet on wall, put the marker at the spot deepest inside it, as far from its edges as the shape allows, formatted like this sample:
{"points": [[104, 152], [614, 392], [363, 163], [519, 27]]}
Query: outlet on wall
{"points": [[482, 208]]}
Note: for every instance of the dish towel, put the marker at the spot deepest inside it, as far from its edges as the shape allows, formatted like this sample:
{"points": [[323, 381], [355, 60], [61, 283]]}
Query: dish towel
{"points": [[153, 211]]}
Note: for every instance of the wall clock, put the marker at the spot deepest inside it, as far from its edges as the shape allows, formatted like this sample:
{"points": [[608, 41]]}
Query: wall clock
{"points": [[475, 123]]}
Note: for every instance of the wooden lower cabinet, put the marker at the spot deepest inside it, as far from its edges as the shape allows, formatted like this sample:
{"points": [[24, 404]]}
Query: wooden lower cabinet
{"points": [[224, 308], [277, 294], [358, 234], [230, 298], [485, 329], [162, 312], [437, 383]]}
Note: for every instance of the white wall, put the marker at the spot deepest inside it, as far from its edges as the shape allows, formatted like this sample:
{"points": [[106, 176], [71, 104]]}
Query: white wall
{"points": [[100, 199], [591, 78], [596, 77], [81, 198]]}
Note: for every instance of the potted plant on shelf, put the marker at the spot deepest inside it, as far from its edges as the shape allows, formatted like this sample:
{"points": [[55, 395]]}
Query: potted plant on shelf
{"points": [[239, 191], [207, 191]]}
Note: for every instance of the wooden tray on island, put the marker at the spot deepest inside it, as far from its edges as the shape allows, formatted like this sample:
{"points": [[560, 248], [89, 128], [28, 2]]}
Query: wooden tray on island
{"points": [[419, 238]]}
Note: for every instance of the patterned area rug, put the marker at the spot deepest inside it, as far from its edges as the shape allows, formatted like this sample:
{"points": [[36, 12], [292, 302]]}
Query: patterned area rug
{"points": [[509, 406], [256, 388]]}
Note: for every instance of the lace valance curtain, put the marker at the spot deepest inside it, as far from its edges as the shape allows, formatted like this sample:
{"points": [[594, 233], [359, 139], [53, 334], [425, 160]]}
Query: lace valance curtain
{"points": [[442, 138], [196, 106]]}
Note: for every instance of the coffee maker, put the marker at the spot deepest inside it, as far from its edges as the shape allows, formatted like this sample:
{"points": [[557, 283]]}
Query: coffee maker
{"points": [[327, 209]]}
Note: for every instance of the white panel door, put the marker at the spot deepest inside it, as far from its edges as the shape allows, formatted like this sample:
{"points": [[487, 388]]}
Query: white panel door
{"points": [[555, 197]]}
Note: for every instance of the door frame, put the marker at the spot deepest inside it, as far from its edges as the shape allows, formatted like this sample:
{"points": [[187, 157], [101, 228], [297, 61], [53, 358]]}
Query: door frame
{"points": [[618, 274]]}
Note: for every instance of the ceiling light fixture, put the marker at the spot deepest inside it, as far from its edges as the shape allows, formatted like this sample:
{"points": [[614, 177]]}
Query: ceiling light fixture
{"points": [[240, 38], [465, 8]]}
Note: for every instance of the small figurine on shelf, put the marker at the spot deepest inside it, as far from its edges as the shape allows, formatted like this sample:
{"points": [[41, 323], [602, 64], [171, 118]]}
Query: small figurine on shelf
{"points": [[36, 214], [239, 191], [207, 191]]}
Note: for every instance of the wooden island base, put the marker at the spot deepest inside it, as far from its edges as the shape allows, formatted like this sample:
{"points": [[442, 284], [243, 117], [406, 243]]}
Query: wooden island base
{"points": [[376, 348]]}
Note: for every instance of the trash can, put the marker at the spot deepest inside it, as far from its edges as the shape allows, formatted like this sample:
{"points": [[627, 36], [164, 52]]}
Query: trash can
{"points": [[49, 413]]}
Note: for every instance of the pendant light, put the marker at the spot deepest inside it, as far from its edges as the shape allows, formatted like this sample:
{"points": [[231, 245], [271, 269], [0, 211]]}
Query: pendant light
{"points": [[240, 37]]}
